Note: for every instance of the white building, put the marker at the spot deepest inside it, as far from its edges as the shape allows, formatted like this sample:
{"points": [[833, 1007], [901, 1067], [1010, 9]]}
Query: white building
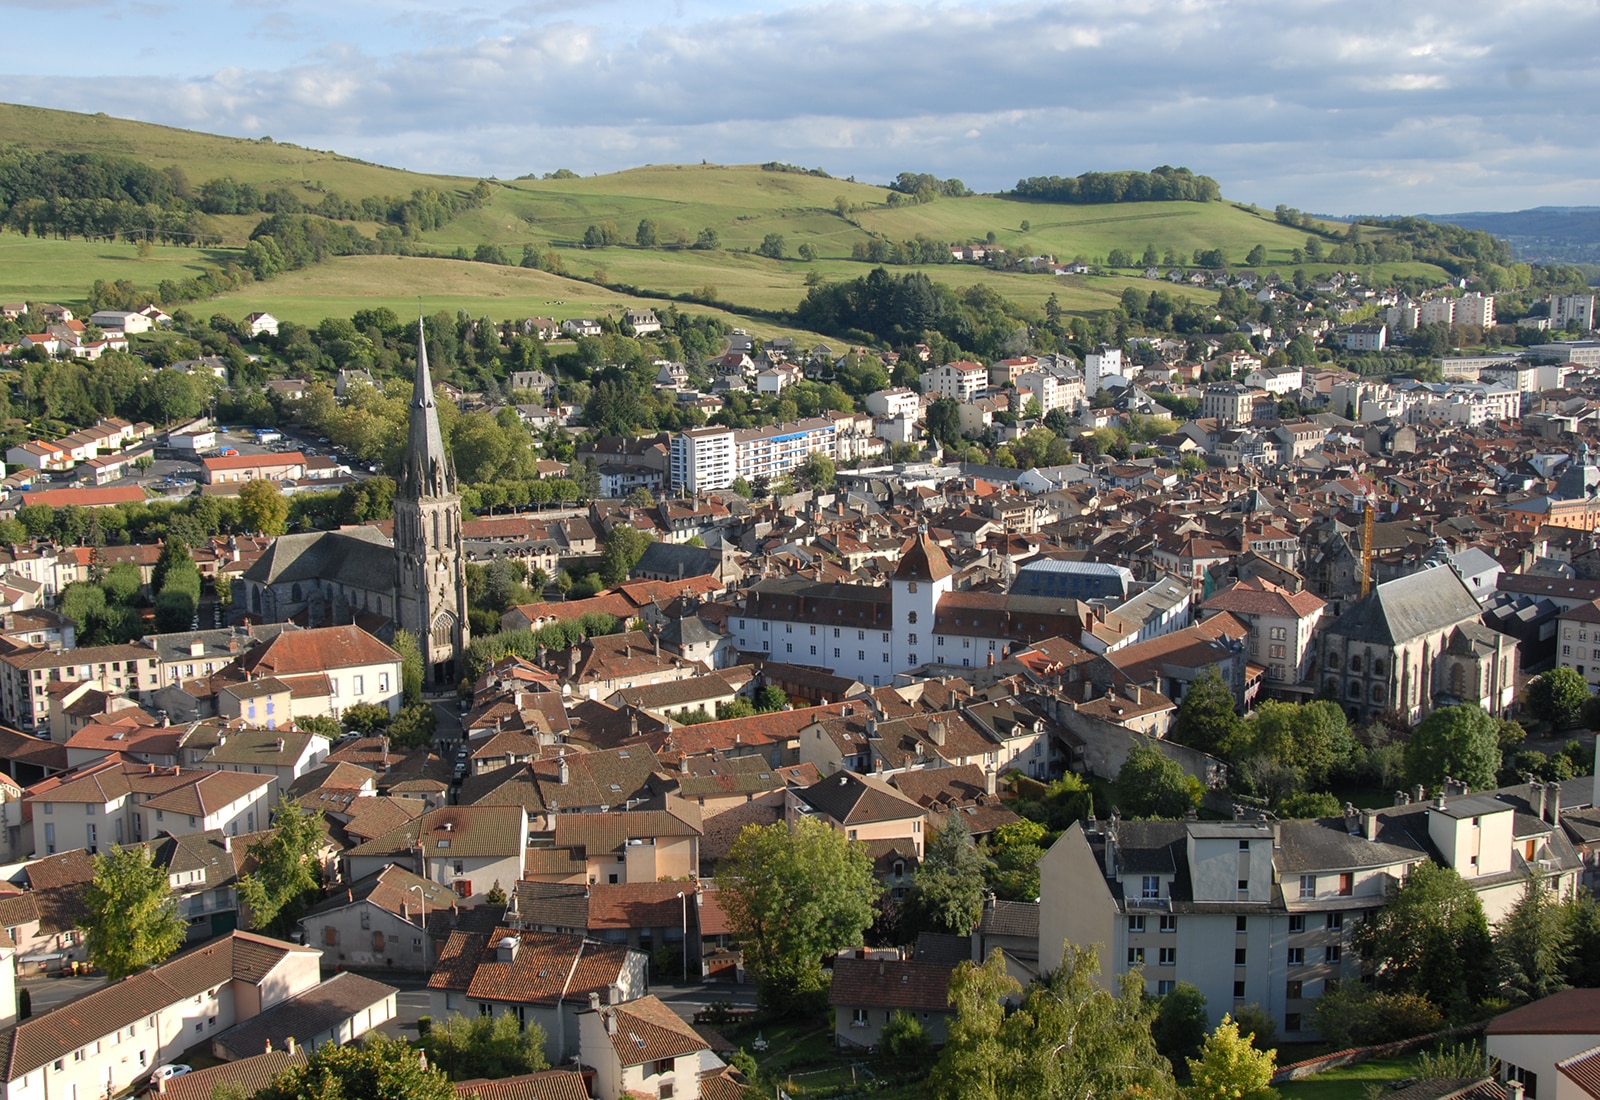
{"points": [[258, 324], [1475, 309], [1100, 365], [961, 381], [1572, 307], [895, 402], [702, 459]]}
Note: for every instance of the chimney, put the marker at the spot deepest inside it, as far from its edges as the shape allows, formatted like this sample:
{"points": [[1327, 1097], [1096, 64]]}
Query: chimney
{"points": [[1538, 796], [1513, 1090], [594, 1001], [611, 1022], [267, 1051], [989, 776], [1419, 793], [936, 732], [614, 994], [227, 843], [1352, 819], [1554, 803], [1136, 693], [280, 744], [563, 770], [872, 726], [1088, 690], [288, 1044], [1369, 824]]}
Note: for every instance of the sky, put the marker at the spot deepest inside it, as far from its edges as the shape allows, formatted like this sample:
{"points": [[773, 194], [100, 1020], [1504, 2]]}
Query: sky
{"points": [[1332, 106]]}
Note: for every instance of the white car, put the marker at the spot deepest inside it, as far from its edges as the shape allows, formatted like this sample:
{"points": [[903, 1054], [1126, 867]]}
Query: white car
{"points": [[167, 1072]]}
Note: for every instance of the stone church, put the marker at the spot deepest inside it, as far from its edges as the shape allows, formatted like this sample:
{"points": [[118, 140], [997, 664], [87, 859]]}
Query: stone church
{"points": [[417, 581]]}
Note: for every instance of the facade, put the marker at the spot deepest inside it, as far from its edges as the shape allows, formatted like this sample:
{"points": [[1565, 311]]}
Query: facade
{"points": [[1548, 1046], [1577, 308], [960, 381], [108, 1041], [378, 921], [329, 669], [1578, 641], [1366, 337], [1282, 625], [643, 1048], [1227, 402], [26, 677], [1413, 644], [466, 849]]}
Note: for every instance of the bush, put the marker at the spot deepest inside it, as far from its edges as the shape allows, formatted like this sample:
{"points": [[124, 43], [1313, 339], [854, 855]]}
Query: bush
{"points": [[905, 1043], [1354, 1015], [24, 1004], [424, 1025]]}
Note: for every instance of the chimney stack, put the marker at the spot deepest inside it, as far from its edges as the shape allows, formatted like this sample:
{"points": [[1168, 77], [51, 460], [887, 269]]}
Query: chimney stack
{"points": [[288, 1044], [1538, 796], [1554, 803]]}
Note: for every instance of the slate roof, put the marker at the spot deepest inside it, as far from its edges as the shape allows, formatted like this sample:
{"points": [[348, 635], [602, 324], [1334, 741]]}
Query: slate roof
{"points": [[250, 1074], [1408, 607], [609, 832], [354, 556], [321, 1008], [851, 799], [553, 904], [1010, 918], [474, 831], [1326, 845]]}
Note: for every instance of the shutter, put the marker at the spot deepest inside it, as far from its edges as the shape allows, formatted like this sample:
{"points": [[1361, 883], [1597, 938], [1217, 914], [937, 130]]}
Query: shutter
{"points": [[377, 941]]}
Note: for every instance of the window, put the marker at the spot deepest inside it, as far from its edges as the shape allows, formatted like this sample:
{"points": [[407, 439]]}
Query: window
{"points": [[1292, 989], [383, 688], [1244, 886], [49, 807], [366, 919], [912, 639], [330, 936], [1335, 921], [1136, 924], [1291, 1021], [463, 888], [858, 1017], [1347, 884], [1297, 924], [1169, 923], [912, 618], [1165, 986], [1308, 886], [835, 632], [813, 632], [1332, 953], [1238, 990], [1150, 887], [861, 635], [660, 1065], [1241, 924], [1297, 956], [665, 1092], [788, 647], [813, 651], [1355, 664], [1238, 956], [1169, 956], [1135, 956], [836, 651]]}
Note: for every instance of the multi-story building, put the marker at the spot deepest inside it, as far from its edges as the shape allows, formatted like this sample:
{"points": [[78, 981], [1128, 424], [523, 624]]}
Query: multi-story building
{"points": [[1437, 311], [1100, 365], [895, 402], [26, 677], [466, 848], [1282, 625], [961, 381], [702, 460], [773, 452], [1366, 337], [1227, 402], [1256, 912], [1578, 641], [1475, 309], [1051, 390], [1566, 308]]}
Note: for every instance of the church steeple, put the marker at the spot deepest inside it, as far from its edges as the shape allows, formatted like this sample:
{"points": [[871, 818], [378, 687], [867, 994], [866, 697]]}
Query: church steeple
{"points": [[427, 470], [431, 580]]}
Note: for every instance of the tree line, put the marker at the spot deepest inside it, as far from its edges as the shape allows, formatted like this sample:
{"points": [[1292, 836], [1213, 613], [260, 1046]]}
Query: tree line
{"points": [[1163, 184]]}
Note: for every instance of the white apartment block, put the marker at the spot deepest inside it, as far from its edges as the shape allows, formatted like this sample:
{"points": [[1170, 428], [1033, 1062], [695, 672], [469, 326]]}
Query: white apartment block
{"points": [[1051, 392], [895, 402], [704, 459], [701, 460], [1572, 307], [1475, 309], [1469, 404], [1438, 311], [1100, 365], [961, 381]]}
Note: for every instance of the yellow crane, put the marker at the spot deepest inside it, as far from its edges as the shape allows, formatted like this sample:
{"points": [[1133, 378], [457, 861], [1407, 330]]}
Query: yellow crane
{"points": [[1366, 545]]}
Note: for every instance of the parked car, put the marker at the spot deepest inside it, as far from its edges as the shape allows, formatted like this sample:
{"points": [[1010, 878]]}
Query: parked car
{"points": [[168, 1071]]}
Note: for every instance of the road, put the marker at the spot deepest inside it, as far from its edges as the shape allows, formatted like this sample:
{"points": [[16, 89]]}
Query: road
{"points": [[47, 993]]}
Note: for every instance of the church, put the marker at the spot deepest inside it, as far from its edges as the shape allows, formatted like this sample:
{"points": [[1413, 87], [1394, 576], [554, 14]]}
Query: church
{"points": [[417, 581]]}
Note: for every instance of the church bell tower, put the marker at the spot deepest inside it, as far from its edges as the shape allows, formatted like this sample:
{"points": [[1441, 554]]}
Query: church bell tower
{"points": [[431, 585]]}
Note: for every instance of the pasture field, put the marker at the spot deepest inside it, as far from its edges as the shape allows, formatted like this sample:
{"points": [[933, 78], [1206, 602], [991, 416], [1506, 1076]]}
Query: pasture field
{"points": [[43, 269]]}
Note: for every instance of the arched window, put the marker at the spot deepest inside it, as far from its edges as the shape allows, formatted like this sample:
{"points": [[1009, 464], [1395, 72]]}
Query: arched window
{"points": [[1355, 663], [912, 618], [1377, 693]]}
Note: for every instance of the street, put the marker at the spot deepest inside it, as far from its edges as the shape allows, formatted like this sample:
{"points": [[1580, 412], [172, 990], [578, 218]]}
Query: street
{"points": [[46, 992]]}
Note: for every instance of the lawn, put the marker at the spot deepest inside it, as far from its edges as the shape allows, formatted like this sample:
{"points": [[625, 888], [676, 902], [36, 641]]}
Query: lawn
{"points": [[1349, 1082]]}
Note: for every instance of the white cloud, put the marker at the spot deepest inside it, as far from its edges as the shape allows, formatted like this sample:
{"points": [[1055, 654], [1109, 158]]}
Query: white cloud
{"points": [[1281, 101]]}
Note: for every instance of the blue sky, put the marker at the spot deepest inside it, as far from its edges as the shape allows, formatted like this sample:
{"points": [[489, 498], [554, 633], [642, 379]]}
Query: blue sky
{"points": [[1337, 106]]}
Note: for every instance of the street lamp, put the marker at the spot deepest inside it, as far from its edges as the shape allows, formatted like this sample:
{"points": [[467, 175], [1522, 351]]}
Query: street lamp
{"points": [[683, 898], [423, 894]]}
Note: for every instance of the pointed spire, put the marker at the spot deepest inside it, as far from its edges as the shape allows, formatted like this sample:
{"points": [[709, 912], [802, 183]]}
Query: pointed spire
{"points": [[427, 470]]}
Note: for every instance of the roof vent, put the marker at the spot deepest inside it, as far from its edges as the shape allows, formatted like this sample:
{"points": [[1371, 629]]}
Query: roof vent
{"points": [[506, 950]]}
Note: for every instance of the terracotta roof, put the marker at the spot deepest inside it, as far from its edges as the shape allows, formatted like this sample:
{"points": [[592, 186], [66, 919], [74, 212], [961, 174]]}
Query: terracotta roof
{"points": [[208, 793], [253, 462], [318, 650], [610, 832], [1258, 596], [639, 905], [468, 831], [890, 984], [552, 1084], [921, 560], [250, 1074], [647, 1030], [1570, 1012], [544, 964], [1583, 1069], [321, 1008], [393, 890]]}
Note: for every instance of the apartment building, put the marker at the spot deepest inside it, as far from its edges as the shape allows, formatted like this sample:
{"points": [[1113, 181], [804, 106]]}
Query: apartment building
{"points": [[328, 669], [1566, 308], [1282, 625], [1098, 366], [705, 459], [1227, 402], [960, 381], [1475, 309], [108, 1041], [465, 848], [26, 677]]}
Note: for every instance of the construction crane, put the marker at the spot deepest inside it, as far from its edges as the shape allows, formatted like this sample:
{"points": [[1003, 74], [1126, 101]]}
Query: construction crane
{"points": [[1366, 545]]}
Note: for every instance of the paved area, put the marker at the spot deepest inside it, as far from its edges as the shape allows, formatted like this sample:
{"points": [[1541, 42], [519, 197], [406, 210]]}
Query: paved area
{"points": [[48, 993]]}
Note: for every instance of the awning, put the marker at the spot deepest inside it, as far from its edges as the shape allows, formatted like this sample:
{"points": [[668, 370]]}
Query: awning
{"points": [[46, 957]]}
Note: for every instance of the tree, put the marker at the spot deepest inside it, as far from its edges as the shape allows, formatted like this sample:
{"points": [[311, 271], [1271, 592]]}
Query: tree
{"points": [[1311, 737], [131, 922], [174, 556], [1152, 784], [645, 235], [947, 894], [772, 246], [817, 471], [378, 1068], [944, 421], [1431, 939], [1179, 1028], [1558, 696], [1462, 742], [707, 239], [1583, 924], [1206, 718], [288, 876], [1070, 1039], [1229, 1068], [793, 895], [263, 508], [1256, 256], [413, 727], [405, 644], [905, 1042], [624, 547], [1533, 945], [1014, 854], [492, 1047], [1357, 1015], [771, 698]]}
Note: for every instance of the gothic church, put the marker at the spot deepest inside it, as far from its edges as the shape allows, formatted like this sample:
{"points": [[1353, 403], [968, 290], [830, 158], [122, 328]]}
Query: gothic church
{"points": [[417, 581]]}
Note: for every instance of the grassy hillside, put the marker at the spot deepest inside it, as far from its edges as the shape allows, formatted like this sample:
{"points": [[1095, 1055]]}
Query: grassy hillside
{"points": [[742, 204]]}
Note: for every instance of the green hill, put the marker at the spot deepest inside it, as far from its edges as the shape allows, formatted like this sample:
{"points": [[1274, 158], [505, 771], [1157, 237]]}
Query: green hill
{"points": [[836, 221]]}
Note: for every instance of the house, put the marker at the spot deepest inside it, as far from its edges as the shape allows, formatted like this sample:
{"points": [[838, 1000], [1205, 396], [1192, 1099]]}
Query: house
{"points": [[378, 921], [349, 666], [1282, 625], [339, 1011], [285, 756], [642, 321], [863, 807], [867, 991], [468, 849], [643, 1048], [258, 324], [228, 469], [108, 1041], [536, 977], [1549, 1046], [581, 326], [120, 320]]}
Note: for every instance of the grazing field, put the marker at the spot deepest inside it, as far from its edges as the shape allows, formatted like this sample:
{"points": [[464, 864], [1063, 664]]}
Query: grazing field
{"points": [[42, 269]]}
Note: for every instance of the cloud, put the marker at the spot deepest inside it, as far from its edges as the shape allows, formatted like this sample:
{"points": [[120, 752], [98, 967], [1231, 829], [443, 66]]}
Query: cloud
{"points": [[1352, 107]]}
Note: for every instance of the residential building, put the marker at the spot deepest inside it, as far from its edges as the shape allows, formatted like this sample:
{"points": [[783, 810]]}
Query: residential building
{"points": [[1282, 625], [261, 324], [1227, 402], [1098, 366], [1366, 337], [895, 402], [1573, 308], [226, 469], [378, 921], [868, 990], [702, 460], [960, 381], [336, 666], [1475, 309], [26, 676], [468, 849], [537, 977], [1549, 1047], [643, 1048], [108, 1041]]}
